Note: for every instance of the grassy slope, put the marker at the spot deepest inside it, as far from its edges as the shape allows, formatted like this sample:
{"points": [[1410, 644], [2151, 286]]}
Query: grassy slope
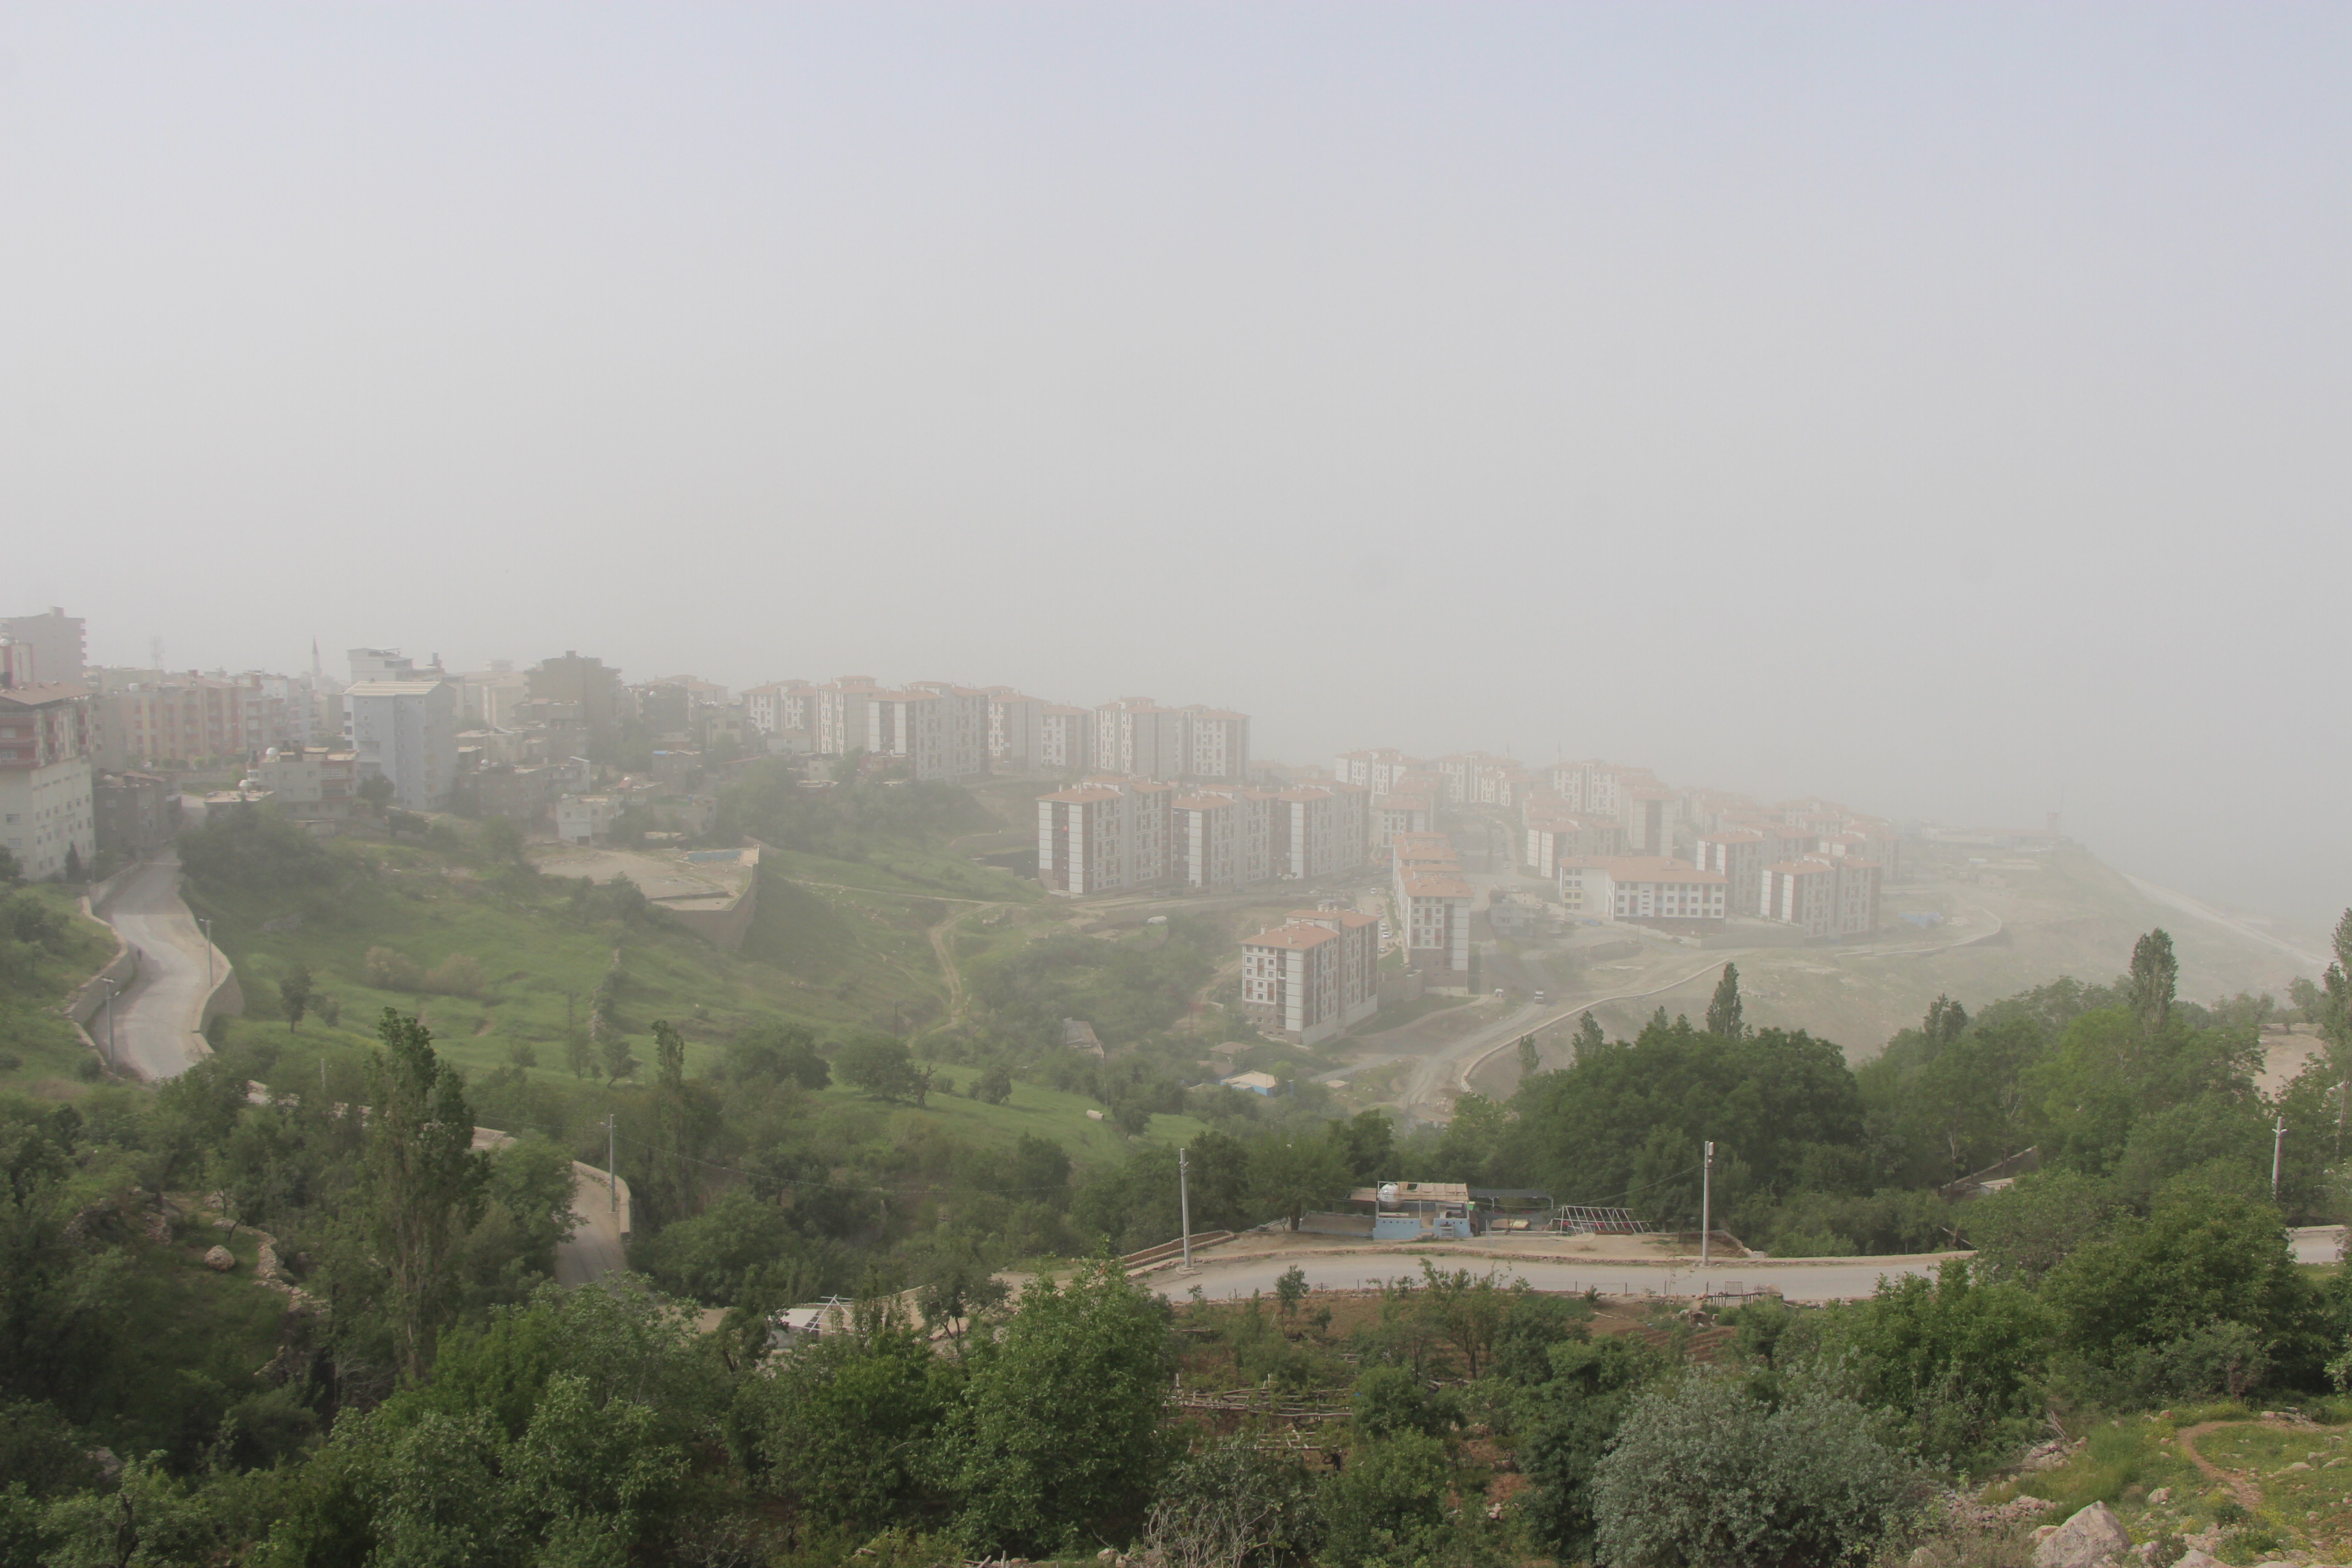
{"points": [[1044, 1112], [48, 1050]]}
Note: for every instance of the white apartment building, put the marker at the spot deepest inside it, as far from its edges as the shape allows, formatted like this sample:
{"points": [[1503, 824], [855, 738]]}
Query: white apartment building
{"points": [[1107, 834], [1377, 770], [838, 717], [1551, 840], [1651, 816], [1434, 922], [406, 731], [1210, 838], [1645, 889], [1312, 976], [912, 726], [1137, 737], [46, 811], [1403, 811]]}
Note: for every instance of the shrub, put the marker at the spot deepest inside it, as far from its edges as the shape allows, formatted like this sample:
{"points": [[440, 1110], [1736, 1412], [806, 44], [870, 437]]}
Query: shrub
{"points": [[387, 970], [1702, 1471], [1230, 1505], [1388, 1507], [993, 1087]]}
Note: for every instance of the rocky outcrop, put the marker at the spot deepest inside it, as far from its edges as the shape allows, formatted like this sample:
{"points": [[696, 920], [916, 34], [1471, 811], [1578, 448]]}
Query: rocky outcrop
{"points": [[220, 1258], [2086, 1540]]}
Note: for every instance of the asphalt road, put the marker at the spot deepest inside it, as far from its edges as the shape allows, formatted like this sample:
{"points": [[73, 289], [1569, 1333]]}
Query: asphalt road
{"points": [[157, 1021], [1826, 1279]]}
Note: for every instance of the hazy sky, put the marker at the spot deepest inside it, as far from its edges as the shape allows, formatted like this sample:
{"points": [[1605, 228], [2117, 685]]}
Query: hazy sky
{"points": [[1940, 408]]}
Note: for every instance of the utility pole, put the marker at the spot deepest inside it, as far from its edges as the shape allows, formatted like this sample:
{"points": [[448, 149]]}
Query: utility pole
{"points": [[208, 953], [1184, 1204], [612, 1165], [2278, 1154], [1706, 1204]]}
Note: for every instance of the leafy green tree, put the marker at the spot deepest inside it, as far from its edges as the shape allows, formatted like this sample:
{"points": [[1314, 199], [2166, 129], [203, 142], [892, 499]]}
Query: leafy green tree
{"points": [[1365, 1144], [374, 792], [2025, 1232], [885, 1069], [2155, 978], [1390, 1399], [1219, 1174], [423, 1181], [992, 1087], [843, 1430], [1703, 1471], [775, 1053], [1723, 1008], [1038, 1172], [1589, 1037], [1960, 1359], [295, 992], [1386, 1508], [1568, 1412], [1233, 1505], [1289, 1175], [1060, 1439]]}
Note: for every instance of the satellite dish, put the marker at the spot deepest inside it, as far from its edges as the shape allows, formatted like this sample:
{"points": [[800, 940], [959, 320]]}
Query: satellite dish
{"points": [[1388, 1191]]}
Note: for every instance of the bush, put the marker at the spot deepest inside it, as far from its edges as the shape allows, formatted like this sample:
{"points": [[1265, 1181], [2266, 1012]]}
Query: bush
{"points": [[1231, 1505], [1390, 1400], [1703, 1472], [993, 1087], [1387, 1508]]}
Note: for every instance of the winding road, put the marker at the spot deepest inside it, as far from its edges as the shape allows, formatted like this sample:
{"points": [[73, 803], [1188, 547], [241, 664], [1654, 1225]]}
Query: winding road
{"points": [[159, 1021]]}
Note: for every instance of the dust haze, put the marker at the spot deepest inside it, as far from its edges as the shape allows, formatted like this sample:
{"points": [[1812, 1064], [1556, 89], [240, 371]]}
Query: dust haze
{"points": [[1940, 410]]}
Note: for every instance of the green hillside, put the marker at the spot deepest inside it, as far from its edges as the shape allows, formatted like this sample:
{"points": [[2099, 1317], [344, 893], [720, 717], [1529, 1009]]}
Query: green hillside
{"points": [[48, 949]]}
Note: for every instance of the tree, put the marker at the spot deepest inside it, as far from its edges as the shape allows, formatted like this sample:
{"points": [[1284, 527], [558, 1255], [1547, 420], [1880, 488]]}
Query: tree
{"points": [[1060, 1436], [841, 1428], [375, 792], [775, 1053], [1589, 1037], [73, 863], [1388, 1507], [1723, 1008], [1231, 1504], [618, 1060], [423, 1181], [2155, 976], [1366, 1145], [12, 870], [295, 991], [885, 1069], [1567, 1419], [992, 1087], [1289, 1175], [1530, 1059]]}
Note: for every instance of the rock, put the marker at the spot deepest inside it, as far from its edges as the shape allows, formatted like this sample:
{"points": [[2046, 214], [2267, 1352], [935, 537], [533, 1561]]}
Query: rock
{"points": [[2159, 1496], [221, 1259], [2082, 1541], [2192, 1558], [2298, 1465], [2042, 1532], [1105, 1555]]}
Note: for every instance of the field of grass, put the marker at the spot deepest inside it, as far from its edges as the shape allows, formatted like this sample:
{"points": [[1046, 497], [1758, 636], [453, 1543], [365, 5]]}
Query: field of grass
{"points": [[1043, 1112], [39, 1052]]}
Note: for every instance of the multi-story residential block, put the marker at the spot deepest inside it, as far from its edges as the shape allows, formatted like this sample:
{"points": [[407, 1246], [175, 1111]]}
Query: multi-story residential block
{"points": [[406, 731], [1643, 889], [311, 782], [1739, 854], [1066, 738], [1431, 901], [1111, 832], [963, 721], [1210, 834], [59, 645], [1651, 818], [19, 663], [1216, 744], [1822, 896], [1481, 778], [1320, 829], [1553, 839], [588, 684], [133, 813], [1016, 726], [47, 820], [1404, 810], [1312, 976], [176, 721], [1377, 770]]}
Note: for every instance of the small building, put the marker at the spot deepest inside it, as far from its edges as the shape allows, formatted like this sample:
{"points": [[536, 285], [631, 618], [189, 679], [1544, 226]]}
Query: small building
{"points": [[586, 818], [1415, 1211], [1254, 1082]]}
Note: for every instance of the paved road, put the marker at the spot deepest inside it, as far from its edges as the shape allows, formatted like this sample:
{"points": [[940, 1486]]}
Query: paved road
{"points": [[1827, 1279], [158, 1022], [594, 1250]]}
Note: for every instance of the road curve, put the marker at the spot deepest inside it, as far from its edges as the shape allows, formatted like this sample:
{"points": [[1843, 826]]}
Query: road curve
{"points": [[159, 1021], [1814, 1280]]}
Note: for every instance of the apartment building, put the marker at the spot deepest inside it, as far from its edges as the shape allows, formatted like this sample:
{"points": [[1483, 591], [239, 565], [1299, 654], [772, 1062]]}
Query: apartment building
{"points": [[58, 647], [1320, 829], [1108, 832], [1650, 889], [1596, 788], [1312, 976], [1404, 810], [964, 719], [406, 731], [1377, 770], [47, 818], [589, 684], [586, 818], [1739, 854], [1822, 896], [1555, 838], [1481, 778], [1431, 901], [1138, 737], [311, 782], [133, 813], [1066, 738], [1651, 818], [172, 721], [912, 726], [1016, 730]]}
